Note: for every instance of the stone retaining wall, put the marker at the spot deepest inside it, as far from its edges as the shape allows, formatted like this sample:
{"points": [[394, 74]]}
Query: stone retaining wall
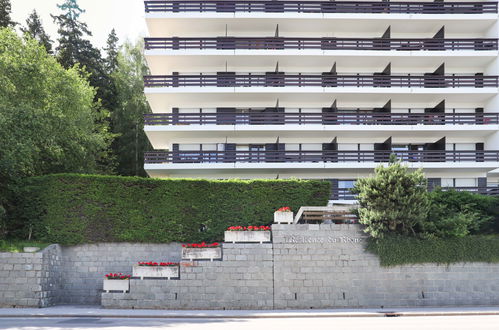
{"points": [[306, 266]]}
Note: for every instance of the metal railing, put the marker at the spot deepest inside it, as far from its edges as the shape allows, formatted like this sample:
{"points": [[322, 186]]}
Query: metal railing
{"points": [[327, 156], [277, 43], [323, 7], [319, 80], [325, 118]]}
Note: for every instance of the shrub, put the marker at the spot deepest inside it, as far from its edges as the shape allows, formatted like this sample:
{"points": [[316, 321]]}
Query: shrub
{"points": [[393, 200], [73, 209], [459, 213]]}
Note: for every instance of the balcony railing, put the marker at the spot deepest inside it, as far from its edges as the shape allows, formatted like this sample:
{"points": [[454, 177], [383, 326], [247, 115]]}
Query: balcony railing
{"points": [[324, 7], [326, 118], [277, 43], [159, 157], [319, 80]]}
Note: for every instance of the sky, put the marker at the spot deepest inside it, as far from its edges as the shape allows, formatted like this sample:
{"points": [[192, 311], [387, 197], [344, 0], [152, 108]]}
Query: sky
{"points": [[126, 16]]}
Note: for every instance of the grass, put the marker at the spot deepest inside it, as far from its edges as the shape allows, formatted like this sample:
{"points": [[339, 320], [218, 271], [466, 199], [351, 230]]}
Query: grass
{"points": [[17, 246], [399, 250]]}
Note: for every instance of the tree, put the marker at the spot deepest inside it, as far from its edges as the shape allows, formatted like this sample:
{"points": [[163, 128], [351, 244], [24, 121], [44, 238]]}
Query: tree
{"points": [[48, 117], [74, 49], [127, 119], [5, 10], [35, 30], [111, 49], [394, 200], [110, 63]]}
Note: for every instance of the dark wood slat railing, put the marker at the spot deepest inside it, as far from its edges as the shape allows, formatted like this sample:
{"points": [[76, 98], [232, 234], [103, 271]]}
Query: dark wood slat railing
{"points": [[319, 80], [276, 43], [158, 157], [327, 118], [346, 193], [324, 7]]}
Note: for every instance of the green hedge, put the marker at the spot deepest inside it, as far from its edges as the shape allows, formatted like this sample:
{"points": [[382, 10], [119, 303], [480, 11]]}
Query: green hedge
{"points": [[399, 250], [72, 209]]}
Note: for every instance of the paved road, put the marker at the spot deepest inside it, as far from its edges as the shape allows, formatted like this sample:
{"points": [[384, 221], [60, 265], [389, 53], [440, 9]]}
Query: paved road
{"points": [[340, 323]]}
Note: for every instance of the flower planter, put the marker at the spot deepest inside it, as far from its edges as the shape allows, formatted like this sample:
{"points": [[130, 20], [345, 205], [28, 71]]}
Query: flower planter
{"points": [[155, 271], [116, 285], [283, 217], [202, 253], [259, 236]]}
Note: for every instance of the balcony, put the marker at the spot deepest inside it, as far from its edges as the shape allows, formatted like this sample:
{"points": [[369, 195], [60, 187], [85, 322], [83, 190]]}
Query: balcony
{"points": [[281, 43], [322, 7], [272, 79], [325, 156], [325, 118]]}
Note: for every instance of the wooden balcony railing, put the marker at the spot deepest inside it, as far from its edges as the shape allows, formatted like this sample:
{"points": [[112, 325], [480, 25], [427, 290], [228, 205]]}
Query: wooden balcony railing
{"points": [[326, 118], [324, 7], [277, 43], [159, 157], [319, 80]]}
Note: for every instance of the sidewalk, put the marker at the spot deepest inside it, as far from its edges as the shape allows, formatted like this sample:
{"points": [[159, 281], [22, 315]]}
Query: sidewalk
{"points": [[96, 311]]}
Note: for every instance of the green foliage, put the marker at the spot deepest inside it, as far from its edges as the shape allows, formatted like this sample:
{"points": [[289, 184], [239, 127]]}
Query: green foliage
{"points": [[393, 200], [459, 213], [73, 209], [35, 30], [47, 115], [18, 246], [128, 116], [5, 11], [399, 250]]}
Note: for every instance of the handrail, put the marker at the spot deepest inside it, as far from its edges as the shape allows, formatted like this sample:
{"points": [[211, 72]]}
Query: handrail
{"points": [[326, 156], [325, 118], [324, 7], [318, 80], [279, 43]]}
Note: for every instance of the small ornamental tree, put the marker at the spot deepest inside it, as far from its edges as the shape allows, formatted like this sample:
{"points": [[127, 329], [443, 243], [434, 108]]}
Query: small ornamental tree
{"points": [[394, 200]]}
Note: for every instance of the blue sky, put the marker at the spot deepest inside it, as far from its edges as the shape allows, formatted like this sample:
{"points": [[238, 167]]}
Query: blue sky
{"points": [[126, 16]]}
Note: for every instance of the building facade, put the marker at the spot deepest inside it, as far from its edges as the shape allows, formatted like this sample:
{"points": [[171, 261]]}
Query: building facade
{"points": [[323, 90]]}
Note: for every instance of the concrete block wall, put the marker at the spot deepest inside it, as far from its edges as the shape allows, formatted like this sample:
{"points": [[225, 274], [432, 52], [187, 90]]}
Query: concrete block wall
{"points": [[88, 264], [241, 280], [326, 266], [30, 279]]}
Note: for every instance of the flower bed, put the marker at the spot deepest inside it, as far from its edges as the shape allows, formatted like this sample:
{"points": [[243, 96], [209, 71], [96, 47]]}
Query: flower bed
{"points": [[283, 215], [201, 251], [248, 234], [116, 282], [154, 269]]}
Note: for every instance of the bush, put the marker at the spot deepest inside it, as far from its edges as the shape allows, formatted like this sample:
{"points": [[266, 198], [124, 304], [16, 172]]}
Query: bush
{"points": [[73, 209], [399, 250], [394, 200], [459, 213]]}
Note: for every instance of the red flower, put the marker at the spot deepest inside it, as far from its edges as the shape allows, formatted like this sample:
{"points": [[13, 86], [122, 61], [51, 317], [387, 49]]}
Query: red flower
{"points": [[284, 209]]}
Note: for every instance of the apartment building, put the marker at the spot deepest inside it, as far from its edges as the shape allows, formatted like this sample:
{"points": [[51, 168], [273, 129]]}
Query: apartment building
{"points": [[323, 89]]}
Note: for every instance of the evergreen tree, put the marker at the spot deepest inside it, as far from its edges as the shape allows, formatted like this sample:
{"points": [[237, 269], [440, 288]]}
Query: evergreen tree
{"points": [[110, 63], [5, 10], [111, 49], [35, 29], [74, 48], [394, 200]]}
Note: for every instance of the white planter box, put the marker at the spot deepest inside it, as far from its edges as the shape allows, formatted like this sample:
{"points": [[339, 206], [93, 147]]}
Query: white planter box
{"points": [[155, 271], [247, 236], [202, 253], [116, 285], [283, 217]]}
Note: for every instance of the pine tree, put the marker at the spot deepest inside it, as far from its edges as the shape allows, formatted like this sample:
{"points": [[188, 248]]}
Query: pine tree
{"points": [[5, 10], [111, 49], [34, 28], [110, 63], [74, 48]]}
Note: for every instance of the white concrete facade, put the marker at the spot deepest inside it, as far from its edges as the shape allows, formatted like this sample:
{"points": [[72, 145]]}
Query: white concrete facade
{"points": [[219, 111]]}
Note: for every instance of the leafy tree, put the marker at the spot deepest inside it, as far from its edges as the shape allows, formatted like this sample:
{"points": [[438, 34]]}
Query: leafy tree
{"points": [[48, 121], [35, 30], [5, 10], [393, 200], [127, 119]]}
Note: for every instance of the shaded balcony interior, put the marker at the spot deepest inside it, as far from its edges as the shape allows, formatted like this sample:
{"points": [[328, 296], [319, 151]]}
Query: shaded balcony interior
{"points": [[333, 115], [371, 7]]}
